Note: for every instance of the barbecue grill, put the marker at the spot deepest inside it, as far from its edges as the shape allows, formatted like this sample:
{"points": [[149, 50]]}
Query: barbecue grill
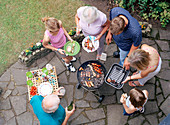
{"points": [[91, 76]]}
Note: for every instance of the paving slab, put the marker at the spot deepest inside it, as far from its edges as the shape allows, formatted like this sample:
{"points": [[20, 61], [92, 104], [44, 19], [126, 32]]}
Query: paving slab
{"points": [[58, 64], [22, 89], [99, 122], [95, 114], [152, 119], [154, 32], [3, 84], [19, 65], [50, 56], [19, 76], [6, 76], [166, 87], [2, 121], [85, 56], [8, 114], [15, 91], [139, 120], [62, 78], [111, 48], [18, 103], [165, 55], [76, 64], [11, 122], [165, 64], [107, 89], [80, 120], [94, 104], [109, 100], [148, 41], [118, 95], [25, 119], [160, 99], [73, 77], [69, 92], [82, 104], [110, 61], [11, 85], [163, 45], [165, 106], [5, 104], [7, 93], [164, 74], [126, 88], [63, 102], [42, 62], [146, 123], [90, 97], [164, 34], [151, 107], [78, 93], [115, 115], [76, 113]]}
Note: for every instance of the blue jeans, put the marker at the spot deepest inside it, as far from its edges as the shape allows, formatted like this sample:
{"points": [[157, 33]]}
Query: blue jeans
{"points": [[123, 55]]}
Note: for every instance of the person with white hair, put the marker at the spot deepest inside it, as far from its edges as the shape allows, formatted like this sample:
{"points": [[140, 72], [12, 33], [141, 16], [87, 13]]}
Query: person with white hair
{"points": [[92, 22], [49, 111]]}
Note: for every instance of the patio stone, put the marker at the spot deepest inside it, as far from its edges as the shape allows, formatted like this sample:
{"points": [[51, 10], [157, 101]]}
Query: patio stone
{"points": [[107, 89], [146, 123], [165, 64], [50, 56], [69, 92], [118, 95], [35, 122], [137, 120], [11, 122], [82, 104], [166, 87], [3, 84], [25, 119], [160, 99], [22, 89], [151, 107], [18, 103], [158, 90], [152, 80], [161, 120], [7, 93], [111, 49], [8, 114], [154, 32], [90, 97], [63, 102], [15, 91], [76, 64], [115, 115], [63, 78], [165, 55], [110, 61], [19, 65], [6, 76], [58, 65], [5, 104], [73, 77], [79, 93], [152, 119], [150, 88], [85, 56], [95, 114], [165, 105], [94, 104], [164, 34], [148, 41], [109, 100], [163, 45], [100, 122], [19, 76], [76, 113], [2, 121], [11, 85], [80, 120], [127, 88], [164, 74], [42, 62]]}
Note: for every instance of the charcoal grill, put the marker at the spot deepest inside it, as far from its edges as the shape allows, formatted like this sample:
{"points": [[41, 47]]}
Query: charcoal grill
{"points": [[97, 82], [117, 74]]}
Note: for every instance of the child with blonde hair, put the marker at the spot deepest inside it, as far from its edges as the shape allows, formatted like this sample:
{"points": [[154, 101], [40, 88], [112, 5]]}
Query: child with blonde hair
{"points": [[56, 35], [148, 63], [135, 101]]}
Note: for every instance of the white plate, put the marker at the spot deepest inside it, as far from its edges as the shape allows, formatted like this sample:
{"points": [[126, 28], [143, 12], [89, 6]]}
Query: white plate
{"points": [[95, 43], [45, 89]]}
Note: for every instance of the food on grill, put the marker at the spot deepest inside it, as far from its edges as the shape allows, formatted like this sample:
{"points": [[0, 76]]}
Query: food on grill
{"points": [[69, 49], [87, 74], [109, 80], [94, 74], [72, 49], [91, 83], [81, 69], [88, 44], [98, 75], [82, 74], [94, 64], [113, 81]]}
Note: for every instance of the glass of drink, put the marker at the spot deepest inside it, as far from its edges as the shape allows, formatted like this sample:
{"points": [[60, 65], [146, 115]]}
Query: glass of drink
{"points": [[49, 67]]}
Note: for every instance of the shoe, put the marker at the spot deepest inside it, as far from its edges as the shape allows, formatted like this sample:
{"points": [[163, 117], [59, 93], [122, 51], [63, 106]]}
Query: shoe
{"points": [[70, 67], [73, 59], [142, 110], [116, 54], [98, 57]]}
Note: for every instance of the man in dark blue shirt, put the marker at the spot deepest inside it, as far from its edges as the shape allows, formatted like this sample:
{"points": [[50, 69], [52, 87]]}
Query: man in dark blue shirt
{"points": [[126, 32]]}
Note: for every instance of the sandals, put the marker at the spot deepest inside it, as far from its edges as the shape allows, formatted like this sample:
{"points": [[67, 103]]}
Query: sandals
{"points": [[70, 67], [73, 59]]}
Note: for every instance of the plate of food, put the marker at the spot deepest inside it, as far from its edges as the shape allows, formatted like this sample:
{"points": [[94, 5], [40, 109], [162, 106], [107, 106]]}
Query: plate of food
{"points": [[45, 89], [72, 48], [89, 44]]}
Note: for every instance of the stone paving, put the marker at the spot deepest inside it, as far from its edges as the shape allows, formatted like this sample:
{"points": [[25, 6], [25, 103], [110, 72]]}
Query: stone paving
{"points": [[15, 108]]}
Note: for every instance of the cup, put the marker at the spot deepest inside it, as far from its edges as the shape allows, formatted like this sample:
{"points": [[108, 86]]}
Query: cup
{"points": [[49, 67], [30, 83], [62, 91]]}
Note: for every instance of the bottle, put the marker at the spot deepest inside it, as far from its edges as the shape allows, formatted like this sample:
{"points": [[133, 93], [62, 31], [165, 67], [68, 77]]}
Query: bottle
{"points": [[70, 107]]}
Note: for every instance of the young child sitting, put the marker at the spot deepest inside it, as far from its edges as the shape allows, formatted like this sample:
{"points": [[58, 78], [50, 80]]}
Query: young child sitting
{"points": [[135, 102], [148, 63]]}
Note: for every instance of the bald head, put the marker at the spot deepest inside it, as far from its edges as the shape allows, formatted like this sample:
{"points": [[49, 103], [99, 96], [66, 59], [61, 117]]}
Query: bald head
{"points": [[50, 103]]}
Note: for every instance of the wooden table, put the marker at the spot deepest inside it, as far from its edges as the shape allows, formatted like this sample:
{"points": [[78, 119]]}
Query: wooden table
{"points": [[36, 84]]}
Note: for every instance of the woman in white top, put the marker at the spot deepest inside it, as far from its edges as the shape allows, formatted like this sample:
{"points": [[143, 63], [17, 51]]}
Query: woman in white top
{"points": [[135, 101]]}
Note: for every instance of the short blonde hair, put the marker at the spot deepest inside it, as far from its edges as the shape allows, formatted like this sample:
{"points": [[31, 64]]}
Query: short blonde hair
{"points": [[139, 59], [51, 23]]}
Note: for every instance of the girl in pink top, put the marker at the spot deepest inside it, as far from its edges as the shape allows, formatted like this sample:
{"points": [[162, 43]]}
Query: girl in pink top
{"points": [[56, 35]]}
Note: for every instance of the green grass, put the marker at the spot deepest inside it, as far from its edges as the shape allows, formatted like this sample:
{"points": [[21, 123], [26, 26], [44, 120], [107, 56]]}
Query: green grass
{"points": [[21, 25]]}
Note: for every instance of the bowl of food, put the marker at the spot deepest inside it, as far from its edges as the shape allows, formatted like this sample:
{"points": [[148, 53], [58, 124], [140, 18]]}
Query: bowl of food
{"points": [[89, 44], [72, 48]]}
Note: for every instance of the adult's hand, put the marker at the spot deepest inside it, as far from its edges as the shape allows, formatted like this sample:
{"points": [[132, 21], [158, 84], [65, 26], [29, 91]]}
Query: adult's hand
{"points": [[127, 79], [70, 113], [126, 64], [61, 51], [108, 38], [57, 92]]}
